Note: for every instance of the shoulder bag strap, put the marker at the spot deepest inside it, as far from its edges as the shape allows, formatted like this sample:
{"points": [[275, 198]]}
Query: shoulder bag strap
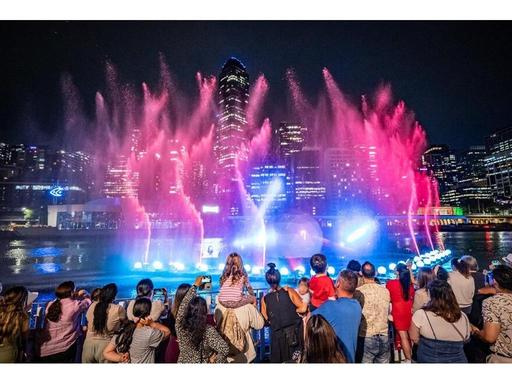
{"points": [[460, 334], [429, 323]]}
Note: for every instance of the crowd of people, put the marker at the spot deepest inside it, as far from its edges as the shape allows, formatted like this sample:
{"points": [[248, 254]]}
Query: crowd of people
{"points": [[431, 316]]}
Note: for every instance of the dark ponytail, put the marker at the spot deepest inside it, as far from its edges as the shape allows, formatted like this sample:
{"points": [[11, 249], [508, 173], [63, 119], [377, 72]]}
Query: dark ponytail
{"points": [[273, 276], [124, 337], [64, 291], [141, 310], [107, 296], [404, 276]]}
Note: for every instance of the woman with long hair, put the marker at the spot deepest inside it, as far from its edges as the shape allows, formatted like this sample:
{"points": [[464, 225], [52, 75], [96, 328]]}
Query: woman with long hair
{"points": [[145, 288], [104, 318], [137, 341], [321, 344], [172, 350], [62, 327], [13, 324], [440, 329], [281, 307], [424, 277], [233, 281], [401, 292], [199, 342]]}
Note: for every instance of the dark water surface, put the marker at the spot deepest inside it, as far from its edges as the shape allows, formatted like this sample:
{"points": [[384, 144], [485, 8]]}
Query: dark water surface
{"points": [[41, 265]]}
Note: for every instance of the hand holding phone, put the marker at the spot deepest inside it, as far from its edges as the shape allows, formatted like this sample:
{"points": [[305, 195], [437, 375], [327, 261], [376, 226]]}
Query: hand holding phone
{"points": [[206, 282]]}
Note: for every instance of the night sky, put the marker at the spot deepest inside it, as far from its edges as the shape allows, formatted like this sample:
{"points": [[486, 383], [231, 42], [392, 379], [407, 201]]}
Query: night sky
{"points": [[456, 76]]}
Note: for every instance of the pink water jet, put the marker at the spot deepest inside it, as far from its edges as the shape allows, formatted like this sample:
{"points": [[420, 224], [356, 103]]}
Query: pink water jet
{"points": [[158, 146]]}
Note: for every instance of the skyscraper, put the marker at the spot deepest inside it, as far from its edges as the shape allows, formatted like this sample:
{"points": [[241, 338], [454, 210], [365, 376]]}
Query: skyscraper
{"points": [[230, 135], [499, 165], [120, 181], [289, 138], [270, 185], [308, 186], [441, 163]]}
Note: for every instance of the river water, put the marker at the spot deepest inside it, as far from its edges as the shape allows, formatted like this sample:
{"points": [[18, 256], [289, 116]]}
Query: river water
{"points": [[41, 265]]}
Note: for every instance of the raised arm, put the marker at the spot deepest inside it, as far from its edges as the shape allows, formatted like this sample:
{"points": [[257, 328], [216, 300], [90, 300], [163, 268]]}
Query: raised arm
{"points": [[191, 293], [110, 354]]}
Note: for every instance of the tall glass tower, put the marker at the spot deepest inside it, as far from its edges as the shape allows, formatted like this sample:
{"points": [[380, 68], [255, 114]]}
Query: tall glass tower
{"points": [[230, 136]]}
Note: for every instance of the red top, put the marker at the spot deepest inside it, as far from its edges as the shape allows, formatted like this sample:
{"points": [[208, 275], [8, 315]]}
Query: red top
{"points": [[401, 310], [322, 288]]}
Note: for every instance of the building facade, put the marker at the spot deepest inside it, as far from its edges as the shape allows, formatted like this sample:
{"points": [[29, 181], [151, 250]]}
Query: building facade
{"points": [[230, 134], [498, 163]]}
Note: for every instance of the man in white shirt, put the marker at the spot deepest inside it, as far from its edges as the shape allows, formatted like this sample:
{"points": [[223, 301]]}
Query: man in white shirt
{"points": [[249, 318]]}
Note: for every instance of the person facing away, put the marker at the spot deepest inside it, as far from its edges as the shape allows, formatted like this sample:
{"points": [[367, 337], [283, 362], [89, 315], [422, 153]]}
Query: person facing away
{"points": [[172, 350], [355, 266], [321, 344], [58, 343], [248, 319], [440, 328], [145, 288], [281, 307], [232, 283], [320, 285], [199, 341], [401, 292], [344, 313], [14, 324], [497, 315], [303, 290], [462, 283], [104, 318], [373, 331], [440, 273], [136, 343], [425, 276]]}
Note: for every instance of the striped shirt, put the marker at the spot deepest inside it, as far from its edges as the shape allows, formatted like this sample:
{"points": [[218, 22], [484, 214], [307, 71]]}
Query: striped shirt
{"points": [[145, 340], [230, 291]]}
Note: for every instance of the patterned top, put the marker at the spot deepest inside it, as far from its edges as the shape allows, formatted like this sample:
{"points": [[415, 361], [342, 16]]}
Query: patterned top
{"points": [[374, 300], [498, 309], [212, 341]]}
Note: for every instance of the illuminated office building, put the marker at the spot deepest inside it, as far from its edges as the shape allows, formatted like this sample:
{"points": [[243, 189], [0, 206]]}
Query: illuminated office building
{"points": [[441, 163], [270, 185], [498, 163], [120, 181], [308, 187], [230, 135], [289, 138]]}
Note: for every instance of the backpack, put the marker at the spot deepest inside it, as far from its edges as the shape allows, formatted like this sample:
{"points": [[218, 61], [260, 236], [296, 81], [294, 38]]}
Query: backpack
{"points": [[230, 329]]}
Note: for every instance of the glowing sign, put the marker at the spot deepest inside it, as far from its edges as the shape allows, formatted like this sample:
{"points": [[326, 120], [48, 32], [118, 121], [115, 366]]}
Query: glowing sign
{"points": [[57, 192], [211, 248], [210, 209]]}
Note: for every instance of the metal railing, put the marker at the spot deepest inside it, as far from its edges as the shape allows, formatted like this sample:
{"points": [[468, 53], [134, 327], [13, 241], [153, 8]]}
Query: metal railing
{"points": [[260, 337]]}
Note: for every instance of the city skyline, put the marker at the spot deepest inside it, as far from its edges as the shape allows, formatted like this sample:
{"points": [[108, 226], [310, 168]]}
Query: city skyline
{"points": [[445, 101], [313, 177]]}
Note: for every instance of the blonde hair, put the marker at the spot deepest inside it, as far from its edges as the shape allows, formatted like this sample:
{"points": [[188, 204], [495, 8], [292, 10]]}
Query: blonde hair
{"points": [[233, 269], [12, 314]]}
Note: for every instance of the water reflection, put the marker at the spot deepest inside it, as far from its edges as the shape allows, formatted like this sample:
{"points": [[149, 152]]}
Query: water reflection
{"points": [[99, 261]]}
